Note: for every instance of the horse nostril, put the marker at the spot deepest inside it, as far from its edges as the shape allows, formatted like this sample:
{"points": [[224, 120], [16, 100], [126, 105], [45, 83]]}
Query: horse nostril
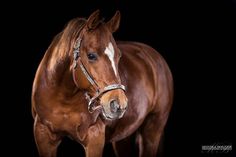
{"points": [[114, 106]]}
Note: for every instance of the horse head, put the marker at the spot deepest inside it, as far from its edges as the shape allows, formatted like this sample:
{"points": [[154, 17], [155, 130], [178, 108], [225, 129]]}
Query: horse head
{"points": [[95, 66]]}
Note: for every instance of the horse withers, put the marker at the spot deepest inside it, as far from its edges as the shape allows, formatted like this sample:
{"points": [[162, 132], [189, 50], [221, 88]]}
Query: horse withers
{"points": [[96, 90]]}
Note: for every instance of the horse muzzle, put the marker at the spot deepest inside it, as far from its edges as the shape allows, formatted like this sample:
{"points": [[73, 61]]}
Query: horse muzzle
{"points": [[114, 105]]}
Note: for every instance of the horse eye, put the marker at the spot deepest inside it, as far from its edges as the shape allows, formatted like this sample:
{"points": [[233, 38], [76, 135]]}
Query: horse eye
{"points": [[92, 56]]}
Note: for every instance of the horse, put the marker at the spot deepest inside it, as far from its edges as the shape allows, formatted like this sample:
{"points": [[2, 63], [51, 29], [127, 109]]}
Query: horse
{"points": [[96, 90]]}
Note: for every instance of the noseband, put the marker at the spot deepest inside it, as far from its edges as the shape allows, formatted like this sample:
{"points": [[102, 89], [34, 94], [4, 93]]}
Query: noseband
{"points": [[99, 91]]}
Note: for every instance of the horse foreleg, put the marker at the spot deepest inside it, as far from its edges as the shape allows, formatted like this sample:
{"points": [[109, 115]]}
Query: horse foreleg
{"points": [[130, 146], [151, 132], [124, 147], [95, 139], [46, 141]]}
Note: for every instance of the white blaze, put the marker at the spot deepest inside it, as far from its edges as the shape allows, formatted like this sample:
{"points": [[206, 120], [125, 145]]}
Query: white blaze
{"points": [[109, 51]]}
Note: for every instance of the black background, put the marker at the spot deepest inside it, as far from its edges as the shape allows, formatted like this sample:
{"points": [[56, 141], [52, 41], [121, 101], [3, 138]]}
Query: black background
{"points": [[197, 39]]}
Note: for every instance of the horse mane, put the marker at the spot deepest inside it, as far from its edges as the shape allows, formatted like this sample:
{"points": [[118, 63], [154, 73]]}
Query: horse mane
{"points": [[63, 43]]}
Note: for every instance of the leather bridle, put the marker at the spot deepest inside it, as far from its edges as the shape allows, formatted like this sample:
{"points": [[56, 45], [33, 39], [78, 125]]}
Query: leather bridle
{"points": [[99, 91]]}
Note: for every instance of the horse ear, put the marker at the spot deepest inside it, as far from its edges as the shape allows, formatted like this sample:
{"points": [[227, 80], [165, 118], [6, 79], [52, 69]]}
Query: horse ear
{"points": [[114, 23], [93, 19]]}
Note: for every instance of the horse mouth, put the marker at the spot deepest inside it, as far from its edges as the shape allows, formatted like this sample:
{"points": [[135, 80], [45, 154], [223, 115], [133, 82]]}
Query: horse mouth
{"points": [[112, 116]]}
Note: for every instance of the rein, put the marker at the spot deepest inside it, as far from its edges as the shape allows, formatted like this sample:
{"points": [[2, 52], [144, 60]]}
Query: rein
{"points": [[99, 91]]}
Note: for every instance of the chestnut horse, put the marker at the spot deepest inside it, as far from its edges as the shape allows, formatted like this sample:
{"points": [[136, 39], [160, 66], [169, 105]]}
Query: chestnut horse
{"points": [[96, 90]]}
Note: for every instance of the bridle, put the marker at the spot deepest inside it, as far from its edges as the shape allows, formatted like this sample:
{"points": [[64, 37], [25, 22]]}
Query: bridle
{"points": [[99, 91]]}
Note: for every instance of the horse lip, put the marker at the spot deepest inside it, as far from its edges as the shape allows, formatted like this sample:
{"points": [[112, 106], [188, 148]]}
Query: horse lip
{"points": [[122, 114], [108, 117]]}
